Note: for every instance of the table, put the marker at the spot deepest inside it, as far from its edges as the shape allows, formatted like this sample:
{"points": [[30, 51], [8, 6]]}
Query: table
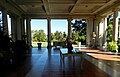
{"points": [[64, 53]]}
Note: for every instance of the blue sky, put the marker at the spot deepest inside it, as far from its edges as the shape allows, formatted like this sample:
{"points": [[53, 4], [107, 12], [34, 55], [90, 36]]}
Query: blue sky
{"points": [[56, 25]]}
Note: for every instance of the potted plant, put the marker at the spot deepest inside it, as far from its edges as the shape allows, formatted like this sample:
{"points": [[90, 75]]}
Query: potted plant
{"points": [[112, 46]]}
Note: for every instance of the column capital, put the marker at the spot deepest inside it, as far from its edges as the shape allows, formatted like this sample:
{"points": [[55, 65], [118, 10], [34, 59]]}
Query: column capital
{"points": [[115, 9], [48, 18], [104, 17], [69, 19], [91, 17]]}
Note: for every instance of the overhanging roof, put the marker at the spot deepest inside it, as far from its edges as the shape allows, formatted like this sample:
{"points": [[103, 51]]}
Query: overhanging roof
{"points": [[64, 8]]}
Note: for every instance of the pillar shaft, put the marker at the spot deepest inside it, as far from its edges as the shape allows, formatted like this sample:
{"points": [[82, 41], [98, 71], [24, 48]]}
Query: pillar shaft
{"points": [[28, 31], [90, 30], [13, 28], [115, 25], [5, 22], [23, 28], [102, 33], [101, 30], [49, 32], [105, 32], [69, 28], [96, 28], [18, 28], [88, 33]]}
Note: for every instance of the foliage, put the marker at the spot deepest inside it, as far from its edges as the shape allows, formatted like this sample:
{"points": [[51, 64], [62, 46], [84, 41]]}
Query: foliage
{"points": [[39, 36], [75, 36], [109, 33], [58, 36], [109, 28], [112, 46], [110, 19], [79, 30]]}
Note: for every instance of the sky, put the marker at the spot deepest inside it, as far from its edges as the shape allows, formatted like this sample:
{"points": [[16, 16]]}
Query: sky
{"points": [[56, 25]]}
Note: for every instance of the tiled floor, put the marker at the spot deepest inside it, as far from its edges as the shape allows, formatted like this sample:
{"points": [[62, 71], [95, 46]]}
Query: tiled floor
{"points": [[46, 63]]}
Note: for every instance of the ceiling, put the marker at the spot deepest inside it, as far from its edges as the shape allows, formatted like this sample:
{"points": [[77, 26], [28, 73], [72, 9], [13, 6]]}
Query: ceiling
{"points": [[64, 7]]}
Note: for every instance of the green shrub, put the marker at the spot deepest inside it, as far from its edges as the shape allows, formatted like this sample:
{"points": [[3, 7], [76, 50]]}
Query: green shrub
{"points": [[112, 46]]}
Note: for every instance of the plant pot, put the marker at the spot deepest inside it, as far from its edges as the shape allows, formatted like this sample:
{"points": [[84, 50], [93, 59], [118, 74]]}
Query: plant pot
{"points": [[39, 45]]}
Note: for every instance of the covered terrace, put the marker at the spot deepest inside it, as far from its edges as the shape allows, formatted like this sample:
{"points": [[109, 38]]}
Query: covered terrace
{"points": [[45, 62]]}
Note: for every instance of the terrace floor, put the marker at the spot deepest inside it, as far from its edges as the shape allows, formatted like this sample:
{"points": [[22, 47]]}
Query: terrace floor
{"points": [[46, 63]]}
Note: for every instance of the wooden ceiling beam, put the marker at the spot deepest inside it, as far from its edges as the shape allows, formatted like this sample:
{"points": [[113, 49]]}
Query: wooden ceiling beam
{"points": [[105, 5], [63, 3], [75, 6], [46, 6], [92, 3], [29, 3]]}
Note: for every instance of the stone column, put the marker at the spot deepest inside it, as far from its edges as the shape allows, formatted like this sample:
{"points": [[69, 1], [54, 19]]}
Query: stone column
{"points": [[28, 31], [18, 28], [5, 22], [115, 25], [13, 28], [69, 28], [104, 42], [88, 33], [90, 28], [23, 28], [100, 32], [49, 32], [96, 29]]}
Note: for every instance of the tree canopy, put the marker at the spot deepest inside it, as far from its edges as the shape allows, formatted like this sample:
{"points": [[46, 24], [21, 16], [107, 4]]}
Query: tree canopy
{"points": [[79, 30], [39, 36], [58, 36]]}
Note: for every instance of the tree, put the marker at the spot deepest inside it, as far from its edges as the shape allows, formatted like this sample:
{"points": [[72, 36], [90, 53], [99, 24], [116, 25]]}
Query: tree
{"points": [[109, 33], [52, 37], [39, 36], [79, 30], [58, 36], [109, 28], [64, 36]]}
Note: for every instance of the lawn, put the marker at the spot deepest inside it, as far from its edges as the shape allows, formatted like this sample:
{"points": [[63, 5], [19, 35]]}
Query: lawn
{"points": [[44, 44]]}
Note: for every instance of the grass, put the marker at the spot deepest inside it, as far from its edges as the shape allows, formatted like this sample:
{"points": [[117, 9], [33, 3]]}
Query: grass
{"points": [[44, 44]]}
